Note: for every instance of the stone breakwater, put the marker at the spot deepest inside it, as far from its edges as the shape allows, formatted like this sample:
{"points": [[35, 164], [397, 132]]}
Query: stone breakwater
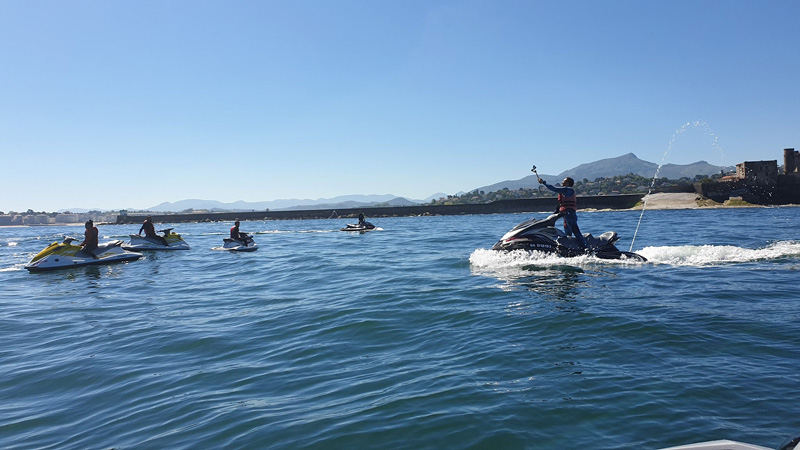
{"points": [[498, 207]]}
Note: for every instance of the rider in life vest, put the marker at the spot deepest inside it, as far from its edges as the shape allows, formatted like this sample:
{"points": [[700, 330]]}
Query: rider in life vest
{"points": [[568, 205], [238, 235]]}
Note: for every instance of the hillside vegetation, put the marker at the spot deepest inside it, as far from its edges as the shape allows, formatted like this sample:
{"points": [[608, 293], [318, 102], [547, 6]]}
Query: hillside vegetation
{"points": [[620, 184]]}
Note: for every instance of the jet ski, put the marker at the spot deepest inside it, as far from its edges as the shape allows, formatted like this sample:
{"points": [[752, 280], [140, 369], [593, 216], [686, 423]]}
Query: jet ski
{"points": [[361, 226], [66, 254], [234, 245], [543, 236], [139, 243]]}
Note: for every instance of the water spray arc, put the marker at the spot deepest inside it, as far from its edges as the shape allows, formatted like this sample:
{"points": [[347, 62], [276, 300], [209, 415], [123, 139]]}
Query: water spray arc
{"points": [[696, 124]]}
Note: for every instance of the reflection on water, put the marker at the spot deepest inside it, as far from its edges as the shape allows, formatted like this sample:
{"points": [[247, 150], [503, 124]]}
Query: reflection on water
{"points": [[553, 283], [559, 285]]}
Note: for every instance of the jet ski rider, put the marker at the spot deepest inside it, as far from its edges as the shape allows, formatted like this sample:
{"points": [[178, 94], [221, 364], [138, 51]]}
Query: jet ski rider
{"points": [[150, 231], [90, 239], [568, 207], [238, 236], [363, 223]]}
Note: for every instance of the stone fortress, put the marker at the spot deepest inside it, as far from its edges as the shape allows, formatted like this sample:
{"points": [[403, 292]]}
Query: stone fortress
{"points": [[759, 182]]}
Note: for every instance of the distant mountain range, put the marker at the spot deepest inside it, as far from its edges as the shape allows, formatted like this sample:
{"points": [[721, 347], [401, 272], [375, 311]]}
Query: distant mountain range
{"points": [[610, 167], [621, 165], [343, 202]]}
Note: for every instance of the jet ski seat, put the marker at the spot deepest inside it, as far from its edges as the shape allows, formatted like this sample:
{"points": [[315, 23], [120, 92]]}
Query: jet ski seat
{"points": [[609, 236], [105, 246]]}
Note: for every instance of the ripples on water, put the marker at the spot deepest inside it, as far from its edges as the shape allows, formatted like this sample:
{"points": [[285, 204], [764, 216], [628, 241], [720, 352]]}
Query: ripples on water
{"points": [[416, 336]]}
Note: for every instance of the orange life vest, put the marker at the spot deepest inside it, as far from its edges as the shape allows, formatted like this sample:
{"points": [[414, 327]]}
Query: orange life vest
{"points": [[566, 202]]}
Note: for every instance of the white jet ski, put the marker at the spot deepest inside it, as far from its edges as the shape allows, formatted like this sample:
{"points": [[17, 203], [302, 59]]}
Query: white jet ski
{"points": [[139, 243], [352, 227], [360, 226], [233, 245], [66, 254]]}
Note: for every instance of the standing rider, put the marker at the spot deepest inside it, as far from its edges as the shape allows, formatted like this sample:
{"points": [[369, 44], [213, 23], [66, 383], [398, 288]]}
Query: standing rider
{"points": [[568, 207], [90, 239], [150, 231]]}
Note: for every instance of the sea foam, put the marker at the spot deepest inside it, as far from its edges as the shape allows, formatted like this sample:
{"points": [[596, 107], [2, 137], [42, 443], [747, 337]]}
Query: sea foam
{"points": [[705, 255], [683, 255]]}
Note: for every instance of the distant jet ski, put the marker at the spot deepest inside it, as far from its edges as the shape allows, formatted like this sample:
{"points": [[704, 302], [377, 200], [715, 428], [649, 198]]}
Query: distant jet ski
{"points": [[544, 236], [66, 254], [362, 226], [244, 245], [141, 243]]}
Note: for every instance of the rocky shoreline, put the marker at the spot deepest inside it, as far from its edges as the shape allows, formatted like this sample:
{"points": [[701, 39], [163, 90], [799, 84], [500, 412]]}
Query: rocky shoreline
{"points": [[685, 200]]}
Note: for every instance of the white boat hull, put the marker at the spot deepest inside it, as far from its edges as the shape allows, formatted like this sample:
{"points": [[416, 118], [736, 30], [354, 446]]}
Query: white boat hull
{"points": [[723, 444], [65, 254], [141, 243], [360, 228], [232, 245]]}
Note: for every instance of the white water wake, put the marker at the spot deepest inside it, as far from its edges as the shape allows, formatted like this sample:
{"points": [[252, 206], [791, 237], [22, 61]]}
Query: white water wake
{"points": [[707, 255], [492, 259], [683, 255]]}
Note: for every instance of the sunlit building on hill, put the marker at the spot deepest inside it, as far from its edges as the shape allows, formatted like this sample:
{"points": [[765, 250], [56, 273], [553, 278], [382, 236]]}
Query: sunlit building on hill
{"points": [[759, 181]]}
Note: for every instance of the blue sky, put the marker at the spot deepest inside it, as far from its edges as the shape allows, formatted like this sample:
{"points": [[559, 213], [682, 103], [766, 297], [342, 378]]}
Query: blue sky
{"points": [[127, 104]]}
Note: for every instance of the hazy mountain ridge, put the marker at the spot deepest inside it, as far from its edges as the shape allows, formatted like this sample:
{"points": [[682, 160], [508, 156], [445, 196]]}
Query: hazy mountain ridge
{"points": [[397, 201], [609, 167], [629, 163], [343, 202]]}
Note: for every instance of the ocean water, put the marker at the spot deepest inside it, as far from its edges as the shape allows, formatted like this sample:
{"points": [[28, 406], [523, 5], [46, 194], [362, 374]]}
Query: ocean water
{"points": [[412, 337]]}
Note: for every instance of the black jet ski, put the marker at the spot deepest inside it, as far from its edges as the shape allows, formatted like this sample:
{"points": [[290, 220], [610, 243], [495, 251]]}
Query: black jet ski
{"points": [[543, 236], [361, 226]]}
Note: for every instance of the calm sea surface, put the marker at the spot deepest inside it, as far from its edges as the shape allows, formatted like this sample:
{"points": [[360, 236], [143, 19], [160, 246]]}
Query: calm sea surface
{"points": [[413, 337]]}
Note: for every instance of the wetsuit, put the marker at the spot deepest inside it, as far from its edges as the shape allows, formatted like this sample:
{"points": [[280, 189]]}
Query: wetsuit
{"points": [[150, 231], [568, 205]]}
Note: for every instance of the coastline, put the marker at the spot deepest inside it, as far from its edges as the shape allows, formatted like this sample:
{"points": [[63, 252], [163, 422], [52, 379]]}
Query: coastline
{"points": [[657, 201], [685, 200]]}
